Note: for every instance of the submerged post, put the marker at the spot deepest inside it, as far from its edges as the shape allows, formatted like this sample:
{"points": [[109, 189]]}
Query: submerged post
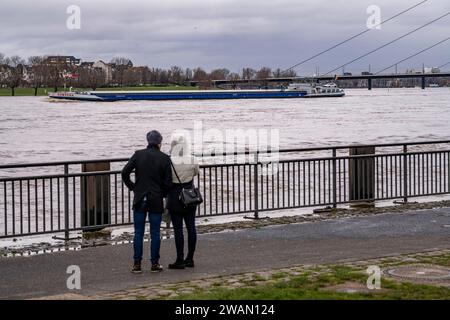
{"points": [[95, 196], [66, 203], [362, 177], [255, 190], [334, 179], [405, 173], [256, 186]]}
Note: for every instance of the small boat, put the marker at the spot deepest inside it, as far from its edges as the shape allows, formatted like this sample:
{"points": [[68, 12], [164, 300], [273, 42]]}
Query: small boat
{"points": [[294, 90]]}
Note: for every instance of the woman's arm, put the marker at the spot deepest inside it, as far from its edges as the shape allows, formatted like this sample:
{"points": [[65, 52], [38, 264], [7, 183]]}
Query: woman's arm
{"points": [[196, 166]]}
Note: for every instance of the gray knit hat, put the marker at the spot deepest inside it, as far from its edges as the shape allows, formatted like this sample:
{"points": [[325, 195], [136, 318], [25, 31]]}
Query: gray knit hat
{"points": [[154, 138]]}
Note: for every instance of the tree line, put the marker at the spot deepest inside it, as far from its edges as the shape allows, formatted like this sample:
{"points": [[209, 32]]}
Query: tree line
{"points": [[41, 71]]}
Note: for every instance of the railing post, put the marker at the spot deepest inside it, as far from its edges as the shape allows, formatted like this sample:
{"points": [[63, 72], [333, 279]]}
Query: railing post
{"points": [[405, 173], [334, 180], [256, 187], [362, 176], [255, 190], [66, 202]]}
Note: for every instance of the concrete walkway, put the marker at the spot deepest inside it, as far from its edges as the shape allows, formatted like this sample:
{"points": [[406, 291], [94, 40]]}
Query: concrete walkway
{"points": [[106, 269]]}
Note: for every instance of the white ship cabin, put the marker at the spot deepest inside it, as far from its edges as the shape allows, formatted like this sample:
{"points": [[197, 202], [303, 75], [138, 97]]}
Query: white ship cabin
{"points": [[313, 88]]}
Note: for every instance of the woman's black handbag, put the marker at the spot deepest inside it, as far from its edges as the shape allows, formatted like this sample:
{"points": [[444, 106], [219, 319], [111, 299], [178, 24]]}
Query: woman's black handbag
{"points": [[190, 196]]}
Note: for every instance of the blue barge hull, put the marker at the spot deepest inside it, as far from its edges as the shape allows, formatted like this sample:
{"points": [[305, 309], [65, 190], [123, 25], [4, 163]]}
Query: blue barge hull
{"points": [[177, 95], [200, 95]]}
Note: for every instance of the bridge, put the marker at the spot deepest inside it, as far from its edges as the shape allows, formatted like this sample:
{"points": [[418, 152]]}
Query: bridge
{"points": [[368, 77]]}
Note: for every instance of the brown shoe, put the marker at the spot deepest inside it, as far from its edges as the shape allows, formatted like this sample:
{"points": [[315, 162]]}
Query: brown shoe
{"points": [[136, 268], [156, 267]]}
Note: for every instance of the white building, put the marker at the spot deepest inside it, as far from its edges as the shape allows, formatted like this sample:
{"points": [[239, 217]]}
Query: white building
{"points": [[106, 69]]}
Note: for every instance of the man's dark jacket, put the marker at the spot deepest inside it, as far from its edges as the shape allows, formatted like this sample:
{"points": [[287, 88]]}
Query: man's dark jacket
{"points": [[153, 177]]}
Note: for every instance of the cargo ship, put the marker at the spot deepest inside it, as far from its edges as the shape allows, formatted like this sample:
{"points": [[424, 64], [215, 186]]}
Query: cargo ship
{"points": [[294, 90]]}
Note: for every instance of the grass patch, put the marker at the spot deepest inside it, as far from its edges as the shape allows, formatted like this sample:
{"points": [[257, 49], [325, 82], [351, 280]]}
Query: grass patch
{"points": [[258, 277], [312, 285], [279, 275], [442, 260]]}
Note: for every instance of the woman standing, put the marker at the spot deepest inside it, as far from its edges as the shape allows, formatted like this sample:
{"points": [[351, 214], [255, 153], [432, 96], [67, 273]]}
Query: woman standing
{"points": [[185, 168]]}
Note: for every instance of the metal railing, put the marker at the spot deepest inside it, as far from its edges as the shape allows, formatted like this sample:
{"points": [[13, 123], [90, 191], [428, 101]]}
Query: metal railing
{"points": [[34, 199]]}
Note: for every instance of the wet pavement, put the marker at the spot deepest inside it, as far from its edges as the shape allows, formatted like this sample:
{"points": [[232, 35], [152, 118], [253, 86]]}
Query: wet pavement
{"points": [[106, 269]]}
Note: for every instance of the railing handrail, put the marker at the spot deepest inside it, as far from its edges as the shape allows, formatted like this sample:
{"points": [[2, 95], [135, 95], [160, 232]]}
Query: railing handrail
{"points": [[249, 152], [382, 145], [218, 165], [59, 163]]}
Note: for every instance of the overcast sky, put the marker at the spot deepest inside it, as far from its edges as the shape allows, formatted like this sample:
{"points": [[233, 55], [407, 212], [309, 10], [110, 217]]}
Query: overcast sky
{"points": [[224, 33]]}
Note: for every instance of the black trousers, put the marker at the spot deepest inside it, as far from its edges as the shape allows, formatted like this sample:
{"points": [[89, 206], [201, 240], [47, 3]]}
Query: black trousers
{"points": [[188, 215]]}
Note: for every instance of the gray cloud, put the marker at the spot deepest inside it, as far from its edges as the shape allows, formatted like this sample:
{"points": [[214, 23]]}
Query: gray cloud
{"points": [[228, 33]]}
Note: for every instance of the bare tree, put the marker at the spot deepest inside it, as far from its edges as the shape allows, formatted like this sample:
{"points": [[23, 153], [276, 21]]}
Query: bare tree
{"points": [[3, 70], [188, 74], [120, 64], [145, 75], [38, 72], [53, 72], [277, 73], [202, 77], [15, 74], [234, 77], [163, 77], [289, 73], [91, 77], [263, 74], [248, 73], [176, 75], [219, 74]]}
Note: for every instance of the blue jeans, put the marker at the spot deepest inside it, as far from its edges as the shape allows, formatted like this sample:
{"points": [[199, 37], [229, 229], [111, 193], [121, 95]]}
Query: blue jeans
{"points": [[155, 238]]}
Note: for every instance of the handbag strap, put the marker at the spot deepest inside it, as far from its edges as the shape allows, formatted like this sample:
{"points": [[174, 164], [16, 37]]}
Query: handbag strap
{"points": [[173, 167]]}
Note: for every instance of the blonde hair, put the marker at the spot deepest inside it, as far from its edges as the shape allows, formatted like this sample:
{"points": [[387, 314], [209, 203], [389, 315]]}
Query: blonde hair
{"points": [[179, 146]]}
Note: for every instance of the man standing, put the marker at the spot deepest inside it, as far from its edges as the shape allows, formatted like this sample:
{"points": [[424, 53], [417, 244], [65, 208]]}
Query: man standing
{"points": [[153, 178]]}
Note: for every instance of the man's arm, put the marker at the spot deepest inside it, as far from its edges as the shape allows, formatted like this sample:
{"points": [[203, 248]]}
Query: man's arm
{"points": [[126, 172]]}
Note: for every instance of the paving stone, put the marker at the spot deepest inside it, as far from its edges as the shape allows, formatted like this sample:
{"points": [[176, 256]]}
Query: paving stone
{"points": [[163, 292], [351, 287], [186, 290], [266, 275], [65, 296]]}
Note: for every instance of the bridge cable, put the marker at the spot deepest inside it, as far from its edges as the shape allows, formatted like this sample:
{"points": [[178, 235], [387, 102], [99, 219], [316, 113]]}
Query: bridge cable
{"points": [[354, 36], [413, 55], [441, 66], [388, 43]]}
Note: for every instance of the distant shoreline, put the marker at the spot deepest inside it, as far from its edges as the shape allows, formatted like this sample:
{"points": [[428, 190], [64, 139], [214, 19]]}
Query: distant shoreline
{"points": [[23, 92]]}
